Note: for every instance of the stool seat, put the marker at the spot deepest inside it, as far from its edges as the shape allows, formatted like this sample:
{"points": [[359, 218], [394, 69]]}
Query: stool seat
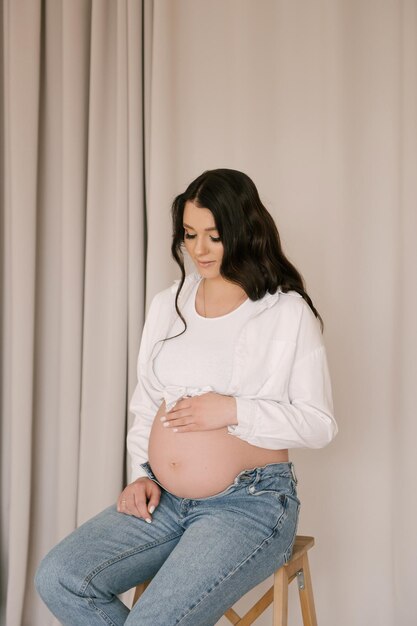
{"points": [[297, 567]]}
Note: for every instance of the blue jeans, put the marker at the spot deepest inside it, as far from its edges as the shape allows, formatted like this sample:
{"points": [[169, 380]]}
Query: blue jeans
{"points": [[203, 555]]}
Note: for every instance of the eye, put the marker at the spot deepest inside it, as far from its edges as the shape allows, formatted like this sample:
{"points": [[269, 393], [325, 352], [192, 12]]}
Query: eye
{"points": [[189, 236], [215, 239]]}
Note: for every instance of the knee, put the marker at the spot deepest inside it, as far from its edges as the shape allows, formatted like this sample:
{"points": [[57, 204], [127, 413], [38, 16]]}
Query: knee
{"points": [[48, 579]]}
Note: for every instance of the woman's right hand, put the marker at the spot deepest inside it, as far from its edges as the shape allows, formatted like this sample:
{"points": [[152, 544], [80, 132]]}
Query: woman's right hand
{"points": [[140, 498]]}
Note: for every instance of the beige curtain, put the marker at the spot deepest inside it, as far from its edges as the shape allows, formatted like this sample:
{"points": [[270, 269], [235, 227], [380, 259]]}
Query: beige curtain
{"points": [[73, 236], [316, 100]]}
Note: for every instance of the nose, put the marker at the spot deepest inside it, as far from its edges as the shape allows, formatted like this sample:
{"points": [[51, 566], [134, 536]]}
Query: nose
{"points": [[200, 246]]}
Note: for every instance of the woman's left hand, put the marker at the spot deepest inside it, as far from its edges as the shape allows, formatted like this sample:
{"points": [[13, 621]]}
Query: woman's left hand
{"points": [[209, 411]]}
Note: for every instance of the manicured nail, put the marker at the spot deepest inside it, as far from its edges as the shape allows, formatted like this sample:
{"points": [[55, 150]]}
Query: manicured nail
{"points": [[148, 519], [151, 509], [175, 430], [163, 418], [166, 424]]}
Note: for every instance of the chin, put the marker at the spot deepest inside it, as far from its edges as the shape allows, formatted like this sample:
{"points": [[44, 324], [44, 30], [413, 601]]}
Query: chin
{"points": [[209, 272]]}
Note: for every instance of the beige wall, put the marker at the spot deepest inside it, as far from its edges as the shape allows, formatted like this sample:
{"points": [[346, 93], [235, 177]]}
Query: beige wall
{"points": [[316, 101]]}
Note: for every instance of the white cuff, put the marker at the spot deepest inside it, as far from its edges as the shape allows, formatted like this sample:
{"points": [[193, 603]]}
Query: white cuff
{"points": [[245, 414]]}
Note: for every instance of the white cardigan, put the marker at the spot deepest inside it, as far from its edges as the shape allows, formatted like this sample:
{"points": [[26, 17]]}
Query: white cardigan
{"points": [[280, 376]]}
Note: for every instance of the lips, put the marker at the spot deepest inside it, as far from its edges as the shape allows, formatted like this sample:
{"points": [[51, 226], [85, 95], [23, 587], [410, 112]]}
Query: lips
{"points": [[205, 263]]}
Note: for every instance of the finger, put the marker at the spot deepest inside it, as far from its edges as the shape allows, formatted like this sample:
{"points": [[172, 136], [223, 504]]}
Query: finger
{"points": [[125, 506], [186, 429], [174, 415], [140, 509], [121, 503], [180, 405], [173, 424], [181, 419], [126, 502], [154, 496]]}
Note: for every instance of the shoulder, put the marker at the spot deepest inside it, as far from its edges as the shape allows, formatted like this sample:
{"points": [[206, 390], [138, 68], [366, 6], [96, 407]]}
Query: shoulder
{"points": [[281, 305], [295, 304], [288, 317], [309, 334], [292, 303]]}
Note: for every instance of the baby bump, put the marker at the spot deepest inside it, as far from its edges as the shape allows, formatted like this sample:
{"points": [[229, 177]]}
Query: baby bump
{"points": [[201, 464]]}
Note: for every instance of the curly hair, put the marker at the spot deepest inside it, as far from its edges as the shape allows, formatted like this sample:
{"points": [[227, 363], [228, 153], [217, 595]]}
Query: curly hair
{"points": [[253, 257]]}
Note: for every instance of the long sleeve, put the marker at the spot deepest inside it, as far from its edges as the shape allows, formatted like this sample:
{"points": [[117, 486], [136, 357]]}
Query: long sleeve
{"points": [[297, 413], [306, 420], [144, 403], [147, 397]]}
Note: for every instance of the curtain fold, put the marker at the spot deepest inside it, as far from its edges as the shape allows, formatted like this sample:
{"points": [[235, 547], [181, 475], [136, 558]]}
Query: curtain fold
{"points": [[22, 22], [404, 460], [74, 272]]}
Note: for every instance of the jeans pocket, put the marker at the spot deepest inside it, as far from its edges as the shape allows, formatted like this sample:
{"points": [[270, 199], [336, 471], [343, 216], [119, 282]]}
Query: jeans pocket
{"points": [[275, 499], [269, 508]]}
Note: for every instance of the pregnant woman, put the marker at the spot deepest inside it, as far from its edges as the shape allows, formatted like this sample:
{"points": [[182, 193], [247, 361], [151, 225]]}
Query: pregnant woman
{"points": [[232, 373]]}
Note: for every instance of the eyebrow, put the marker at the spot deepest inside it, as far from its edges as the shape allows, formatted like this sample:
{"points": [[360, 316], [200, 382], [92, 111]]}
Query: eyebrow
{"points": [[206, 229]]}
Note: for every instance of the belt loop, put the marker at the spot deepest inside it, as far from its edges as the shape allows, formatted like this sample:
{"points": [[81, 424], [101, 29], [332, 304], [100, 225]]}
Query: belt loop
{"points": [[293, 473], [237, 479]]}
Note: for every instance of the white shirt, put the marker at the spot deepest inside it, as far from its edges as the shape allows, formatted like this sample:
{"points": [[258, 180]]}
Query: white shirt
{"points": [[280, 377], [204, 353]]}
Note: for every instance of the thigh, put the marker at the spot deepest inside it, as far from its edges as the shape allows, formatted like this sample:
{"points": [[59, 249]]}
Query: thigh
{"points": [[228, 547], [113, 552]]}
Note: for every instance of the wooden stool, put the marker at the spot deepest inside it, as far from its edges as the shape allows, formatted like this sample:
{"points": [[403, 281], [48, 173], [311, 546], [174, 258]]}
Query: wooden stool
{"points": [[297, 567]]}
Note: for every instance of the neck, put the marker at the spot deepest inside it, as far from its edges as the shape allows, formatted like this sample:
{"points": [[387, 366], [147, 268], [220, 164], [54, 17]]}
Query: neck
{"points": [[220, 294], [219, 287]]}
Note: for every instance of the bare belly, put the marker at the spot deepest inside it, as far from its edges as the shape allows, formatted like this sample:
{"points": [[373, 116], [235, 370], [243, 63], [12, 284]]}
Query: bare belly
{"points": [[201, 464]]}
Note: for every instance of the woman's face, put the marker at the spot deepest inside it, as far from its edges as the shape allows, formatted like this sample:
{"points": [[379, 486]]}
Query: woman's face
{"points": [[201, 240]]}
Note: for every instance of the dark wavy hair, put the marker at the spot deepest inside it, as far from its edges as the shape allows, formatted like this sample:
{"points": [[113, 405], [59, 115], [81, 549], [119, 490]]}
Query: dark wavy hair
{"points": [[253, 256]]}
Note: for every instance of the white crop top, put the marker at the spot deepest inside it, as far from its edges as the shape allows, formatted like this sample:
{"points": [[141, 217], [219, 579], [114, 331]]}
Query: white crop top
{"points": [[202, 356]]}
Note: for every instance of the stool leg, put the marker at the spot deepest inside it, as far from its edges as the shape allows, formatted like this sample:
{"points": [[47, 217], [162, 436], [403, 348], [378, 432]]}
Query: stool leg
{"points": [[306, 596], [280, 605]]}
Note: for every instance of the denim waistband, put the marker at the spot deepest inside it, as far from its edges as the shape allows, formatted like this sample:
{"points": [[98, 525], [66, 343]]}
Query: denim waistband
{"points": [[285, 470]]}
